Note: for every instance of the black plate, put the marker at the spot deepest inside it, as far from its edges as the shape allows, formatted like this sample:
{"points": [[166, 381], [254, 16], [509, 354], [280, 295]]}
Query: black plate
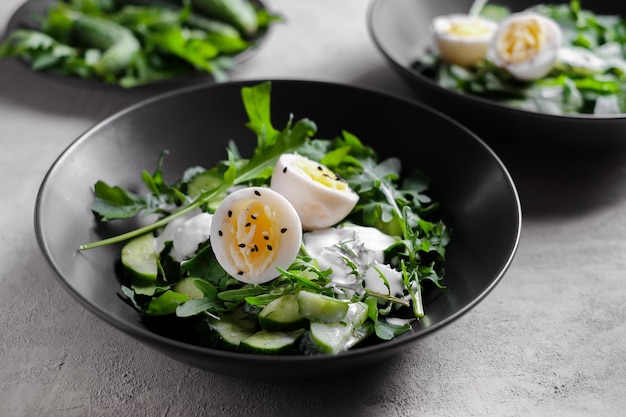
{"points": [[400, 30], [479, 197], [27, 17]]}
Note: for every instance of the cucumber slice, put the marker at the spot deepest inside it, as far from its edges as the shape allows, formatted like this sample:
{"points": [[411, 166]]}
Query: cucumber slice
{"points": [[231, 328], [321, 308], [282, 315], [357, 314], [187, 286], [333, 338], [269, 343], [140, 258]]}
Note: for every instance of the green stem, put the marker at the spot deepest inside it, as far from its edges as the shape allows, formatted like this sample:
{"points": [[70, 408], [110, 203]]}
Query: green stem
{"points": [[388, 297], [477, 7], [202, 198]]}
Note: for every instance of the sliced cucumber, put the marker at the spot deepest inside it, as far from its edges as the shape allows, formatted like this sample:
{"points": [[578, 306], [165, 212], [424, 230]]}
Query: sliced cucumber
{"points": [[333, 338], [231, 328], [282, 315], [140, 258], [187, 286], [265, 342], [357, 314], [321, 308]]}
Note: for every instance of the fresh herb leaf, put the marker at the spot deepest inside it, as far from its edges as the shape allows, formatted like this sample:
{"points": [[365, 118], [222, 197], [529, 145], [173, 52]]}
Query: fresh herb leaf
{"points": [[238, 172], [116, 203]]}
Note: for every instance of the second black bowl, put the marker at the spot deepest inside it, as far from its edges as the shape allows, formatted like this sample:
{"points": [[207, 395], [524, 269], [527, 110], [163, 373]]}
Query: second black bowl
{"points": [[401, 32]]}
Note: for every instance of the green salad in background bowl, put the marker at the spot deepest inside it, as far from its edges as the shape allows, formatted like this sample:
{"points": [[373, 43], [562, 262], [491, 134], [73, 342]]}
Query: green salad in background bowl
{"points": [[514, 71], [549, 58]]}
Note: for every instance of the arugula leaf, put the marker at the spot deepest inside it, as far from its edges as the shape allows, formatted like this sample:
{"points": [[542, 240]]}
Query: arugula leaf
{"points": [[166, 303], [116, 203], [238, 172], [257, 104]]}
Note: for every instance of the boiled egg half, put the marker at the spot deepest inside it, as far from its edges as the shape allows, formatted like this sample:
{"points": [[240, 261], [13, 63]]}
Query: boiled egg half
{"points": [[321, 197], [253, 231], [526, 44], [462, 39]]}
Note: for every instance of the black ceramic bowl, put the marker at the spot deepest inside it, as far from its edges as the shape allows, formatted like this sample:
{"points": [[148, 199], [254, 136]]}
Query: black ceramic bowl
{"points": [[401, 31], [479, 198]]}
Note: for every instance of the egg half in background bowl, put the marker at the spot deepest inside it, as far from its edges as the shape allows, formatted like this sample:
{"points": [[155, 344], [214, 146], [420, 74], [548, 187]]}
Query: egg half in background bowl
{"points": [[406, 32]]}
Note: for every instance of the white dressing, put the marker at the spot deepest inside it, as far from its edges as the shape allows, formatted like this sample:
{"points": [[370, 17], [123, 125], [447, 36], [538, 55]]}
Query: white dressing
{"points": [[362, 245], [167, 235], [190, 235]]}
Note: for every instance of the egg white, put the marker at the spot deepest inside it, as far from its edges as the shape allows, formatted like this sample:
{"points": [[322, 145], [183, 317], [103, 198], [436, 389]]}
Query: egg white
{"points": [[526, 44], [462, 39], [190, 235], [320, 197], [255, 230]]}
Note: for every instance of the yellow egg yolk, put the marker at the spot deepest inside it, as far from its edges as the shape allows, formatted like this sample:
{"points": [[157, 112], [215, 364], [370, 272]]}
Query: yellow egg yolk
{"points": [[468, 29], [321, 174], [254, 233], [522, 41]]}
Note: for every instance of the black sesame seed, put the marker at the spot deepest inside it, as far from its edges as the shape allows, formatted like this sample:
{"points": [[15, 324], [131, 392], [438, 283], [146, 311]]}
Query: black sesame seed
{"points": [[269, 247], [253, 217], [242, 245], [284, 170], [283, 230], [256, 248], [257, 192], [219, 232], [319, 167], [240, 273], [230, 213], [266, 237], [248, 224]]}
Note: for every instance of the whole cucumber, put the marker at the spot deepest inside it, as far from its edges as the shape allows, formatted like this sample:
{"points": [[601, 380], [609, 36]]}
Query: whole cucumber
{"points": [[211, 25], [239, 13], [117, 43]]}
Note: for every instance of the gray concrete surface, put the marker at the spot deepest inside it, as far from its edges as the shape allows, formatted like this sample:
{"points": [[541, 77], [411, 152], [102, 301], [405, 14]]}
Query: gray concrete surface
{"points": [[550, 340]]}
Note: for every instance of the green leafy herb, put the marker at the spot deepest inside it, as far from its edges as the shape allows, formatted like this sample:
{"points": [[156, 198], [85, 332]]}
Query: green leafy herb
{"points": [[268, 150], [135, 42]]}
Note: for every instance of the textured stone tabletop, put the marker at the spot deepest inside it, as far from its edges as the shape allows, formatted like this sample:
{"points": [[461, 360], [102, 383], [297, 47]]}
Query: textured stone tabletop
{"points": [[549, 340]]}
